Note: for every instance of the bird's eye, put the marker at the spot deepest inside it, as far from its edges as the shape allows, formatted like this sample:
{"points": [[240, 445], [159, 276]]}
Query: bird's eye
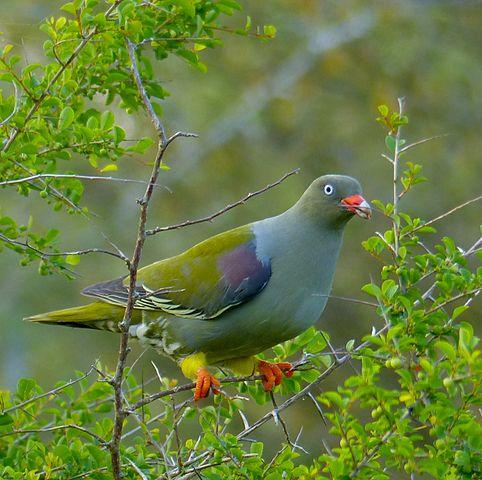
{"points": [[328, 189]]}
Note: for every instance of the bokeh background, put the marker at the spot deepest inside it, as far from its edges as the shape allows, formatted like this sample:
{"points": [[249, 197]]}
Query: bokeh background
{"points": [[305, 99]]}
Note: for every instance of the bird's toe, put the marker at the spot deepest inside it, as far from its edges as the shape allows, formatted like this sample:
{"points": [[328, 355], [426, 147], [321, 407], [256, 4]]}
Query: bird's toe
{"points": [[273, 373], [205, 381]]}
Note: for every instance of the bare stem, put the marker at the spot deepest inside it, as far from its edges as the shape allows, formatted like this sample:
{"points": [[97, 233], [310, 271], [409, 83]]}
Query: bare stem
{"points": [[396, 157], [223, 210]]}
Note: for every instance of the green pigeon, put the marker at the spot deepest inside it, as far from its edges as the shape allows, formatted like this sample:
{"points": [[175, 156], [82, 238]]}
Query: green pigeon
{"points": [[236, 294]]}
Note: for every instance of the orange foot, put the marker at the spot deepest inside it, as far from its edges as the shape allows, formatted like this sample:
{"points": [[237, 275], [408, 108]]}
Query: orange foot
{"points": [[204, 382], [273, 373]]}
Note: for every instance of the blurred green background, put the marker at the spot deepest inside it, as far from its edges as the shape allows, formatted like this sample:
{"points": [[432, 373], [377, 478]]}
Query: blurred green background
{"points": [[305, 99]]}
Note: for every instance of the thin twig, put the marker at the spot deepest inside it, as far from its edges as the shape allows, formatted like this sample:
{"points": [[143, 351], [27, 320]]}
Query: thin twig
{"points": [[420, 142], [347, 299], [55, 428], [475, 291], [43, 254], [443, 215], [15, 107], [54, 391], [75, 176], [225, 209], [142, 92]]}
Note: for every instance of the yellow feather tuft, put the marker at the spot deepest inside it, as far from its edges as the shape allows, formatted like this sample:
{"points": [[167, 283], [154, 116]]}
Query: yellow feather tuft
{"points": [[190, 365], [242, 365]]}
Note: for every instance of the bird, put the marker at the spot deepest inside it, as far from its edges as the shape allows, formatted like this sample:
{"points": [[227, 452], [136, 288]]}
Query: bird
{"points": [[230, 297]]}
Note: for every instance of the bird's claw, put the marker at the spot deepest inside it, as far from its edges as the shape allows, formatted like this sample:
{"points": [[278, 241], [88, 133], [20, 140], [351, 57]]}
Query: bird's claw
{"points": [[205, 381], [273, 373]]}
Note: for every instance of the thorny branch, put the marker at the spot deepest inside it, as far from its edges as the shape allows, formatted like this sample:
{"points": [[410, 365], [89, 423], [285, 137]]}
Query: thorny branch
{"points": [[120, 409], [163, 143]]}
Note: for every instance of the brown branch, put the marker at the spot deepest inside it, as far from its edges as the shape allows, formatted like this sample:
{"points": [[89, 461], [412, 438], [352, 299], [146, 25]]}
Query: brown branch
{"points": [[120, 412], [225, 209], [144, 96]]}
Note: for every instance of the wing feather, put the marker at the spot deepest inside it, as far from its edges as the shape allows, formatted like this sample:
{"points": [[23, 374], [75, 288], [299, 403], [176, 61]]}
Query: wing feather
{"points": [[202, 283]]}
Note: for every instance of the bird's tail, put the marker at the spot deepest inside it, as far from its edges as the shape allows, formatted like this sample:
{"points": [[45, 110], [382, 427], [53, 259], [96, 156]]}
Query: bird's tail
{"points": [[96, 315]]}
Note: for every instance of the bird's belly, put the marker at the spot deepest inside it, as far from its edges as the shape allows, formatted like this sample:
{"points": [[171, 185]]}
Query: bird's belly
{"points": [[250, 330]]}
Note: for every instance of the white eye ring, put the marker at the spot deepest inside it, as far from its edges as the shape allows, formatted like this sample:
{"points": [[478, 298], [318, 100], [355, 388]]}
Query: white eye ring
{"points": [[328, 189]]}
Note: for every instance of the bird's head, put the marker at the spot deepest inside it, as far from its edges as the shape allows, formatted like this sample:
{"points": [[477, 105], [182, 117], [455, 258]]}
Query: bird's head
{"points": [[334, 199]]}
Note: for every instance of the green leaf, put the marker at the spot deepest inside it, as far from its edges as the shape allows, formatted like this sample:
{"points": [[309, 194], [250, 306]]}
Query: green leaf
{"points": [[269, 31], [142, 145], [5, 419], [66, 118], [390, 142], [459, 310], [26, 387], [372, 289], [112, 167], [68, 7], [447, 349], [72, 259], [257, 447], [107, 120], [383, 109]]}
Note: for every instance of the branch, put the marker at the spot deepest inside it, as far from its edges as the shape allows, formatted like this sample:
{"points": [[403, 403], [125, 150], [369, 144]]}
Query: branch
{"points": [[163, 143], [420, 142], [54, 391], [211, 217], [131, 48], [396, 157], [54, 428], [43, 254], [15, 107], [75, 176], [443, 215], [474, 292]]}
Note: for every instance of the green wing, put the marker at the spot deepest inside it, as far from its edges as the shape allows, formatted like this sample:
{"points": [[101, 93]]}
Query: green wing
{"points": [[203, 282]]}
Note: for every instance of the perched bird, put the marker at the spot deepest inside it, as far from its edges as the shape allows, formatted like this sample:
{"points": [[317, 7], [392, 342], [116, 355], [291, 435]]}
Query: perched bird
{"points": [[236, 294]]}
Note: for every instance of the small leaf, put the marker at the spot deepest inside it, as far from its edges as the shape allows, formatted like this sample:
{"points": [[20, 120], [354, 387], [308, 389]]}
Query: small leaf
{"points": [[383, 109], [390, 142], [66, 118], [5, 419], [112, 167], [269, 31], [72, 259], [107, 120]]}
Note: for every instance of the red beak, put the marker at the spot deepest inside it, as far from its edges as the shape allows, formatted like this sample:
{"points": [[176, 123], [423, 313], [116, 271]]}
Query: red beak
{"points": [[358, 205]]}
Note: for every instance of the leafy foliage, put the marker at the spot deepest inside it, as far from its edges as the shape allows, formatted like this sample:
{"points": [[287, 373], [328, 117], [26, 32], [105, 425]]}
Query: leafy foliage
{"points": [[411, 408], [61, 108]]}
